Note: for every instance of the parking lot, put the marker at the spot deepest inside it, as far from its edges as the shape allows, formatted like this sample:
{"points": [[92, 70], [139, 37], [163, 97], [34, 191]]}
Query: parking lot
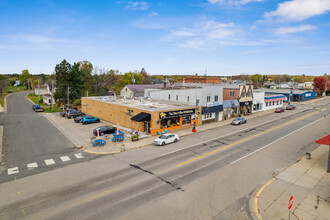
{"points": [[81, 134]]}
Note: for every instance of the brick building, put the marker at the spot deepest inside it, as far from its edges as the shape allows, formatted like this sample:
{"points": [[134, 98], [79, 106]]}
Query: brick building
{"points": [[203, 79]]}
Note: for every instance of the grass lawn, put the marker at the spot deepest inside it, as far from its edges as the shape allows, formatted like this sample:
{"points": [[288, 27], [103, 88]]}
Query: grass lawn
{"points": [[48, 108], [11, 89]]}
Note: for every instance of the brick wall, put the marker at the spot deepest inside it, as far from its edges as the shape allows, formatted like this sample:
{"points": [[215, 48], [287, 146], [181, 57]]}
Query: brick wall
{"points": [[226, 94]]}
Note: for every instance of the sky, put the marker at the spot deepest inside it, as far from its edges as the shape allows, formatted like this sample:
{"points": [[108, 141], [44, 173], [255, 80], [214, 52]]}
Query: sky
{"points": [[213, 37]]}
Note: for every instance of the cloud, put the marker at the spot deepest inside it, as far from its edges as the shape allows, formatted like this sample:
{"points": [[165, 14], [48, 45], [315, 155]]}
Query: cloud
{"points": [[204, 35], [136, 6], [153, 14], [288, 30], [299, 10], [233, 2]]}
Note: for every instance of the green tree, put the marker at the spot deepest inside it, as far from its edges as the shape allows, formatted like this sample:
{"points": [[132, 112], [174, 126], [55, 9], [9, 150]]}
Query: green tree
{"points": [[24, 77], [62, 72], [3, 84], [86, 67]]}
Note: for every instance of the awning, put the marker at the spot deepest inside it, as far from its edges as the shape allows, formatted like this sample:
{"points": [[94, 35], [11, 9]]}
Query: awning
{"points": [[141, 117], [213, 109]]}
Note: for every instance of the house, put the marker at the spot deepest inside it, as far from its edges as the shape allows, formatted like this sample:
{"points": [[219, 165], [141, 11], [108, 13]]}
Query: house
{"points": [[130, 91], [41, 89], [47, 98]]}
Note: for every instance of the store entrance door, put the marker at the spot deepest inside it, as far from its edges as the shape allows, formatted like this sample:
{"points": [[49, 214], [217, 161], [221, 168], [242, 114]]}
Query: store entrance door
{"points": [[146, 125]]}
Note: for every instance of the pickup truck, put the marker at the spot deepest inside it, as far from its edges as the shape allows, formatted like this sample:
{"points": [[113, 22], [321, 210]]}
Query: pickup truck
{"points": [[37, 108], [74, 114]]}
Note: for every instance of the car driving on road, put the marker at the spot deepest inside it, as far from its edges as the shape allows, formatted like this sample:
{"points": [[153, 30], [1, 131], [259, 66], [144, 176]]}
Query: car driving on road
{"points": [[104, 130], [279, 110], [166, 139], [291, 107], [238, 121]]}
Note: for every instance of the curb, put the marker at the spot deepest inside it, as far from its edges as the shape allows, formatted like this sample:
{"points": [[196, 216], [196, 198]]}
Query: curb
{"points": [[1, 134], [5, 103]]}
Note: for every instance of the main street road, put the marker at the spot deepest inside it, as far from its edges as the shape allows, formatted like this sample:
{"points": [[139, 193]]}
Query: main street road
{"points": [[211, 177], [29, 138]]}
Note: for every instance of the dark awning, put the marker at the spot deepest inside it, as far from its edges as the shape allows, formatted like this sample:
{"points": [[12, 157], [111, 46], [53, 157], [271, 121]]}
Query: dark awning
{"points": [[141, 117], [212, 109]]}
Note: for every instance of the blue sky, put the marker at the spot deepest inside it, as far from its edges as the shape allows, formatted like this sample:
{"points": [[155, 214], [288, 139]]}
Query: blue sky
{"points": [[224, 37]]}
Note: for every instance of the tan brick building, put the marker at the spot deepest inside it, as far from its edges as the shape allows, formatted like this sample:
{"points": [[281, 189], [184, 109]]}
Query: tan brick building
{"points": [[143, 115]]}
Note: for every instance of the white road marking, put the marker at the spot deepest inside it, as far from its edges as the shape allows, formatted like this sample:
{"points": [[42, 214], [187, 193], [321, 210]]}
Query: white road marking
{"points": [[49, 162], [13, 170], [65, 158], [275, 141], [79, 155], [253, 126], [31, 166]]}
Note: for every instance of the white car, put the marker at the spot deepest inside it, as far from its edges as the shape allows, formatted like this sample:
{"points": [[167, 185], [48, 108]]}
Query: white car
{"points": [[166, 139]]}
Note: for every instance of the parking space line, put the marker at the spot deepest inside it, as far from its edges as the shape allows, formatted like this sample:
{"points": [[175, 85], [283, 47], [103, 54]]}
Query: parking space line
{"points": [[65, 158], [13, 170], [79, 155], [31, 166], [49, 162]]}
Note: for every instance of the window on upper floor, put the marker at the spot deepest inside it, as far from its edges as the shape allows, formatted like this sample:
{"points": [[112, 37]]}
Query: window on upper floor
{"points": [[177, 97], [169, 97], [208, 98], [232, 94], [187, 98], [216, 98]]}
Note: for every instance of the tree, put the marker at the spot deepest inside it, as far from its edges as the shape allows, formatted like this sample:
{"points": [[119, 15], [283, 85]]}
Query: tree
{"points": [[3, 84], [24, 77], [111, 79], [319, 84], [146, 79], [62, 72], [86, 67]]}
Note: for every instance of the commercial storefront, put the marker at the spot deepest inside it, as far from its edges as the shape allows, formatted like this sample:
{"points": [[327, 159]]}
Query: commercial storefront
{"points": [[245, 107], [146, 116], [274, 101]]}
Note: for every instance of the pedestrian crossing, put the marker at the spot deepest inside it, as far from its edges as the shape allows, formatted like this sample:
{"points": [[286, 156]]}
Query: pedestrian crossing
{"points": [[47, 162]]}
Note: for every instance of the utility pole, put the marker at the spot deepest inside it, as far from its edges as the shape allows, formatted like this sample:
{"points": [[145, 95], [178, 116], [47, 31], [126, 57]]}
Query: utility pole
{"points": [[68, 95], [38, 90], [52, 94]]}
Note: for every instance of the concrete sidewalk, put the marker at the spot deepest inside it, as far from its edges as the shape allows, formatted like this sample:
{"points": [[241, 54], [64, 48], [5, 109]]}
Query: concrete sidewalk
{"points": [[307, 181]]}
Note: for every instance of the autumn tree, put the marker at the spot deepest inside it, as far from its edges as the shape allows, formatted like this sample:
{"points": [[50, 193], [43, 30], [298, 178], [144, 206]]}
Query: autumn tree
{"points": [[86, 68], [24, 77], [319, 84], [146, 79], [112, 79]]}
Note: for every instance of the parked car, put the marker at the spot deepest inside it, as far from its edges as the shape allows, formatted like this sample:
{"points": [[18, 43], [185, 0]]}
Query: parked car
{"points": [[89, 119], [37, 108], [291, 107], [279, 110], [74, 114], [238, 121], [78, 119], [104, 130], [166, 139], [63, 113]]}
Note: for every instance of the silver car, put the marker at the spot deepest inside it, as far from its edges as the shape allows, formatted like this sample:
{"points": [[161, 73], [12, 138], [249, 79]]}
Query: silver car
{"points": [[238, 121], [166, 139]]}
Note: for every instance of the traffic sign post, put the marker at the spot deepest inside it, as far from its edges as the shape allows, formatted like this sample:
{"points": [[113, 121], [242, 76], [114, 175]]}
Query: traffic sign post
{"points": [[290, 205]]}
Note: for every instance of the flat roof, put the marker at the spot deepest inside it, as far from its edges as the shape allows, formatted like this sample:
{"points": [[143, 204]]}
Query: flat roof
{"points": [[142, 104]]}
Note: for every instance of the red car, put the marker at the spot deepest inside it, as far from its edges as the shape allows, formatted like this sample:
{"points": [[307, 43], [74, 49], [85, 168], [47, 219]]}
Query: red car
{"points": [[278, 110], [291, 107]]}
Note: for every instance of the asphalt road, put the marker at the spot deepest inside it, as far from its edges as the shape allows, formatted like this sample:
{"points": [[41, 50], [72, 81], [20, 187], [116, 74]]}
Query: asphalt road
{"points": [[211, 177], [29, 138]]}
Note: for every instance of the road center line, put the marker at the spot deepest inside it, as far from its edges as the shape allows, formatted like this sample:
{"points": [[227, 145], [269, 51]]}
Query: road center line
{"points": [[275, 141], [243, 140]]}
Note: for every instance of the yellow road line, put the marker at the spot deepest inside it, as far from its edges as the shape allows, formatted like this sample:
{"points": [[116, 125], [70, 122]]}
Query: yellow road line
{"points": [[256, 198], [238, 142]]}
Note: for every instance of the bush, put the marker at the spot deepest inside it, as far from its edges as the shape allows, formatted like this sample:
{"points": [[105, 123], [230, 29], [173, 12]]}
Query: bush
{"points": [[77, 102], [41, 101]]}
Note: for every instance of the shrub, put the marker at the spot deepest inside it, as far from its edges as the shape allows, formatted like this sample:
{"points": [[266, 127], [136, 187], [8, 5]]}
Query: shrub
{"points": [[41, 101]]}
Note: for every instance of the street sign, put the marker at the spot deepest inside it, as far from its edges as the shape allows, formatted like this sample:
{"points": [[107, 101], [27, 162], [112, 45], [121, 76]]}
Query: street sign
{"points": [[290, 203]]}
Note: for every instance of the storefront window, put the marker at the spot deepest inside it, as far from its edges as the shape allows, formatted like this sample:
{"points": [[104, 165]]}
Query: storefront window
{"points": [[186, 120], [170, 122]]}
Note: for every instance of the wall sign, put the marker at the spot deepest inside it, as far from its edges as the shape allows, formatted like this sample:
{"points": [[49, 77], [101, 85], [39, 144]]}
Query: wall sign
{"points": [[172, 114]]}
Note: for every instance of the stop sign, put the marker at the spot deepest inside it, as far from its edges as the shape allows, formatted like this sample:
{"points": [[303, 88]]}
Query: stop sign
{"points": [[290, 203]]}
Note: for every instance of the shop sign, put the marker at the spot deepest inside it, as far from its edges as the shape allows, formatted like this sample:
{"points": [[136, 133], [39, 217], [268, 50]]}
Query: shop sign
{"points": [[209, 104], [215, 103], [172, 114], [245, 103]]}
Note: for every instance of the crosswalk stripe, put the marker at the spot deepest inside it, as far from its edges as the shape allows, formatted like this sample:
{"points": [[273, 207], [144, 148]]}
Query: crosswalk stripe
{"points": [[13, 170], [32, 165], [65, 158], [49, 162], [79, 155]]}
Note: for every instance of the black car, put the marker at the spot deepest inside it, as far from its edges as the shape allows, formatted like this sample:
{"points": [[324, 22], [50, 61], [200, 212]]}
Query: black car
{"points": [[63, 113], [74, 114], [104, 130]]}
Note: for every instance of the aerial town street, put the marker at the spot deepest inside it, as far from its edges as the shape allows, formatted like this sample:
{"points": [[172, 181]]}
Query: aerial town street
{"points": [[206, 175]]}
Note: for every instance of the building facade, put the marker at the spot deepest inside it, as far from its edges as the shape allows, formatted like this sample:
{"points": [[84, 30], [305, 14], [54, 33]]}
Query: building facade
{"points": [[202, 79], [258, 101], [274, 101], [245, 99]]}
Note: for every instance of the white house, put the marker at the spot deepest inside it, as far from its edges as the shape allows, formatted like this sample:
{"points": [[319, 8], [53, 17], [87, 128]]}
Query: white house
{"points": [[41, 89], [258, 101]]}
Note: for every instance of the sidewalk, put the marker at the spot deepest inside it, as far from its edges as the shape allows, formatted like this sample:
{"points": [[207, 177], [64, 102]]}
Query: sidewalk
{"points": [[307, 181]]}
